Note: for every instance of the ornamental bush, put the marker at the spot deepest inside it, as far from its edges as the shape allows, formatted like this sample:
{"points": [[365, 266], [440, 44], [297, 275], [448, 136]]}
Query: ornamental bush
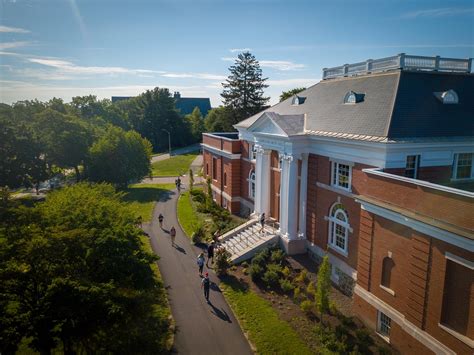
{"points": [[272, 275], [286, 285], [222, 263]]}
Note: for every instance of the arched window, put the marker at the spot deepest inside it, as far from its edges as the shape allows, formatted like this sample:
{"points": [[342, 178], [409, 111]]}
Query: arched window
{"points": [[450, 97], [252, 184], [339, 228], [387, 267]]}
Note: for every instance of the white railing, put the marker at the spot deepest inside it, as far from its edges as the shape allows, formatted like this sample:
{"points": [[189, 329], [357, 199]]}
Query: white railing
{"points": [[400, 61]]}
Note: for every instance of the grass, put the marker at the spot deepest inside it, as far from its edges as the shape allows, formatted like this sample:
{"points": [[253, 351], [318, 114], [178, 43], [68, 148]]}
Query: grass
{"points": [[187, 217], [177, 165], [141, 198], [260, 321]]}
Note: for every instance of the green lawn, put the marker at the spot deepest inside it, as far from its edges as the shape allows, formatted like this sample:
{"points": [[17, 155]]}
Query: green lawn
{"points": [[142, 197], [187, 217], [259, 320], [177, 165]]}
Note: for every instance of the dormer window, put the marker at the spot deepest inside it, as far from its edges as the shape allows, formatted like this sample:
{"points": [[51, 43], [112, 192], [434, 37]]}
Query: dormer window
{"points": [[353, 98], [448, 97], [297, 100]]}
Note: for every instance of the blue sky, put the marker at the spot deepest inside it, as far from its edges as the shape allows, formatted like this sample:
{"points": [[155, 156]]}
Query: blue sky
{"points": [[64, 48]]}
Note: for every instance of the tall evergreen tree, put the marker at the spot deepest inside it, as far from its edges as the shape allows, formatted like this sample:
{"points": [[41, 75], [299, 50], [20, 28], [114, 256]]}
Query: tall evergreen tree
{"points": [[243, 89]]}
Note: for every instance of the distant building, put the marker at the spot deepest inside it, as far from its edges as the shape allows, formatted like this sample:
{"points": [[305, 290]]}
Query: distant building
{"points": [[185, 105], [373, 166]]}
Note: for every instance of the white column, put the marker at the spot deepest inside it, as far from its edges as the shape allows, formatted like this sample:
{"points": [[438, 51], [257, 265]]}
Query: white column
{"points": [[289, 197], [303, 195], [262, 181]]}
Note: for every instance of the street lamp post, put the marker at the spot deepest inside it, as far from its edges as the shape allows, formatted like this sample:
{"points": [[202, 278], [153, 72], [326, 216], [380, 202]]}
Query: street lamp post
{"points": [[169, 140]]}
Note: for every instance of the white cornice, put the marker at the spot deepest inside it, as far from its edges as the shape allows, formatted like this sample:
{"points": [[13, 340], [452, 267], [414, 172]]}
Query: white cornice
{"points": [[220, 152], [419, 182], [419, 226]]}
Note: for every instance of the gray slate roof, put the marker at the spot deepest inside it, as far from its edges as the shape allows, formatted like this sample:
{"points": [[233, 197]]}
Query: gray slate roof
{"points": [[396, 104]]}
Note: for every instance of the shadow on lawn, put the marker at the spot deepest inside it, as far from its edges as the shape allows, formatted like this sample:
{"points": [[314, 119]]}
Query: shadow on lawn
{"points": [[147, 194], [234, 283]]}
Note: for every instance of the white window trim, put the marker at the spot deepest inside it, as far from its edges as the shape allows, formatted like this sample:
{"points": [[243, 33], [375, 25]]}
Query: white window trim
{"points": [[252, 152], [379, 323], [336, 184], [455, 167], [331, 231], [386, 289], [417, 163], [250, 184]]}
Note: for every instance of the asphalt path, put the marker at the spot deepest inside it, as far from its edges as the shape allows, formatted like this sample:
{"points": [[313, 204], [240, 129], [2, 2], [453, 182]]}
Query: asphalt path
{"points": [[201, 328]]}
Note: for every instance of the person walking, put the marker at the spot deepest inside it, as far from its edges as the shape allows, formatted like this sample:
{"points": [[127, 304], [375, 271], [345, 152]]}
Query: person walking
{"points": [[206, 285], [262, 222], [210, 253], [160, 219], [178, 184], [173, 235], [200, 262]]}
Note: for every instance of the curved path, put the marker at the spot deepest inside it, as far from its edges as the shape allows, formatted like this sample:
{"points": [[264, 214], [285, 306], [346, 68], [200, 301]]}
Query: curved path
{"points": [[201, 328]]}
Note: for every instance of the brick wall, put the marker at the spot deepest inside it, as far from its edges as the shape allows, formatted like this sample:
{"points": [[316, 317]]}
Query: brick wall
{"points": [[435, 174], [418, 278]]}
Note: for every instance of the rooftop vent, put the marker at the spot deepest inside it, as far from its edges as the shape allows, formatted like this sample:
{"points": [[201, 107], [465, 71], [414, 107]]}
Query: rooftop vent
{"points": [[448, 97], [352, 97], [298, 100]]}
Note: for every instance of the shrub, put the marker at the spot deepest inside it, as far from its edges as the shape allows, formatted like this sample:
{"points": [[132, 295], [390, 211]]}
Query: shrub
{"points": [[286, 285], [277, 256], [311, 290], [333, 308], [245, 264], [272, 275], [297, 292], [260, 259], [222, 262], [307, 306], [256, 272], [324, 286], [198, 235], [302, 277], [329, 340], [364, 338], [286, 271], [198, 196], [383, 350]]}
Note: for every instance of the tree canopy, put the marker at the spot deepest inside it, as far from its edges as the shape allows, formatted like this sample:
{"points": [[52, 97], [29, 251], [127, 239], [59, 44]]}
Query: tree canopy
{"points": [[287, 94], [244, 88], [196, 123], [74, 274], [119, 157]]}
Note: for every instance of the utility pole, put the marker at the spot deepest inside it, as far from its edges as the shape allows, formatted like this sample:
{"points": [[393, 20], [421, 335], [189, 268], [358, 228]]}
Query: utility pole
{"points": [[169, 140]]}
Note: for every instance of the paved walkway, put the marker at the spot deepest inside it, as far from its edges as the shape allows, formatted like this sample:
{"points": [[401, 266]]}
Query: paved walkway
{"points": [[179, 151], [201, 328]]}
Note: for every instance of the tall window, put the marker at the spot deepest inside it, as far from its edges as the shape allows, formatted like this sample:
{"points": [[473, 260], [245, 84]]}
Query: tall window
{"points": [[207, 169], [252, 152], [462, 166], [214, 168], [412, 165], [225, 179], [457, 297], [383, 324], [252, 184], [339, 228], [387, 267], [341, 175]]}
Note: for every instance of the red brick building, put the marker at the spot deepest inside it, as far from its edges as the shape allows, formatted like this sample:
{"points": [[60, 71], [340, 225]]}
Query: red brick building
{"points": [[374, 167]]}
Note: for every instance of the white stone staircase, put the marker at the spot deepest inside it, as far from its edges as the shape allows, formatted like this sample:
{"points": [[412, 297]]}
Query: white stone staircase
{"points": [[244, 241]]}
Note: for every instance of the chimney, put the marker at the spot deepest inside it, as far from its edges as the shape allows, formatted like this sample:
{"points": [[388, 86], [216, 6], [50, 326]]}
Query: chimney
{"points": [[177, 95]]}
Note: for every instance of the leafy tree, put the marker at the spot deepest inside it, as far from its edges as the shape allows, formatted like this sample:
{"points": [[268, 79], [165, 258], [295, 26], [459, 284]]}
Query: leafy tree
{"points": [[21, 160], [119, 157], [66, 139], [287, 94], [87, 106], [196, 123], [73, 272], [221, 119], [158, 112], [323, 287], [243, 89]]}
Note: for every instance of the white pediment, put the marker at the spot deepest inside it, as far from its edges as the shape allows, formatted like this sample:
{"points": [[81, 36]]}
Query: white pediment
{"points": [[265, 124]]}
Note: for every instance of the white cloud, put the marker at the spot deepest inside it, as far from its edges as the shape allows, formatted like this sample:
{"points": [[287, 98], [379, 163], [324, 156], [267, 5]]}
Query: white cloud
{"points": [[71, 68], [7, 29], [205, 76], [295, 82], [282, 65], [439, 12], [8, 45], [235, 50]]}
